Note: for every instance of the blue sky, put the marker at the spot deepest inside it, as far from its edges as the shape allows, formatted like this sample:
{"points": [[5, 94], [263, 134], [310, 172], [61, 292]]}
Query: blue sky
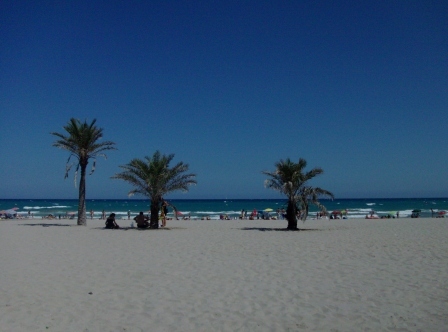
{"points": [[359, 88]]}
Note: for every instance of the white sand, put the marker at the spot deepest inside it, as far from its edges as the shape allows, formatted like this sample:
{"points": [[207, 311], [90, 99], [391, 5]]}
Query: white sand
{"points": [[347, 275]]}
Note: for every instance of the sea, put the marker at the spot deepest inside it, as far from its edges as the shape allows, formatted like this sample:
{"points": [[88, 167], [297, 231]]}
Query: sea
{"points": [[214, 208]]}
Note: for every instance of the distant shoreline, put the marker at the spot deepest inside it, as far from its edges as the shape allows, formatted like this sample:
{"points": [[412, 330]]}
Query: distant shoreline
{"points": [[224, 199], [214, 208]]}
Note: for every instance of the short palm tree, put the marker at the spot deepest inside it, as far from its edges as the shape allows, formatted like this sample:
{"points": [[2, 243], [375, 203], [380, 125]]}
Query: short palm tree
{"points": [[83, 143], [153, 178], [289, 178], [310, 195]]}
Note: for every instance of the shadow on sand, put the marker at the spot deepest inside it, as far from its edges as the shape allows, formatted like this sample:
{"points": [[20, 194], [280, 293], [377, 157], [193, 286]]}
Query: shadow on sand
{"points": [[265, 229], [138, 229], [46, 225]]}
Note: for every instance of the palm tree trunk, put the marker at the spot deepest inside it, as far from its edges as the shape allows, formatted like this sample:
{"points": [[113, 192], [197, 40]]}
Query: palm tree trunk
{"points": [[154, 221], [291, 215], [306, 211], [82, 220]]}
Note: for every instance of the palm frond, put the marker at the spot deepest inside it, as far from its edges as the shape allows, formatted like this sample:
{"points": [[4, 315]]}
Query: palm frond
{"points": [[153, 176], [82, 142]]}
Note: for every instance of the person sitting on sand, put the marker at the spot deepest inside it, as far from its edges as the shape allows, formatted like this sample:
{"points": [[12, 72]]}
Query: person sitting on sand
{"points": [[110, 222], [142, 221]]}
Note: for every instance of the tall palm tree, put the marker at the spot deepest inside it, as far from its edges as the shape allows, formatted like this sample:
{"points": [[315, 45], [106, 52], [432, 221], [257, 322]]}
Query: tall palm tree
{"points": [[83, 143], [153, 178], [289, 178]]}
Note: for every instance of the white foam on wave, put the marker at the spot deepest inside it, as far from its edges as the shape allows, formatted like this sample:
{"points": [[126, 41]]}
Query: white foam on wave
{"points": [[370, 204], [218, 212], [352, 211], [45, 207], [353, 216]]}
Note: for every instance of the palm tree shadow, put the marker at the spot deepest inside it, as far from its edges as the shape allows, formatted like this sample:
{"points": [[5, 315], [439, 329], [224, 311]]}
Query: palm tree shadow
{"points": [[266, 229], [47, 225], [139, 229]]}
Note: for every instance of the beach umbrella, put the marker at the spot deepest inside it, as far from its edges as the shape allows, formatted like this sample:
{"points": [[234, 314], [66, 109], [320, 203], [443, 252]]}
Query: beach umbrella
{"points": [[179, 213], [336, 212], [10, 211]]}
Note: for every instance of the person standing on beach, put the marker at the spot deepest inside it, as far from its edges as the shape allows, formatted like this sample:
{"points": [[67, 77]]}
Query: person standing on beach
{"points": [[129, 214], [163, 213], [254, 213], [91, 214]]}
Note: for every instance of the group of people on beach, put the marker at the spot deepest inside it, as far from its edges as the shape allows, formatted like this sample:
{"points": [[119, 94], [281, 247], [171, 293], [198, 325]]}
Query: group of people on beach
{"points": [[266, 214], [103, 214], [141, 220]]}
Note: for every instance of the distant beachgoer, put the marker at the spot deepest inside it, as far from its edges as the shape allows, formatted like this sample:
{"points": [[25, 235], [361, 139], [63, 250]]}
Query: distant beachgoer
{"points": [[142, 221], [163, 213], [111, 223], [91, 214], [129, 214], [103, 215], [254, 213]]}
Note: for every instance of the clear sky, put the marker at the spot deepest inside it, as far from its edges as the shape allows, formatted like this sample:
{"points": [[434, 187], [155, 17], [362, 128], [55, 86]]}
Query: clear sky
{"points": [[359, 88]]}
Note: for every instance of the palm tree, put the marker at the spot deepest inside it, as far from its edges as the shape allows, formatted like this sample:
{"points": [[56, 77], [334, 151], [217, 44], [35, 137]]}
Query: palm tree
{"points": [[153, 178], [82, 143], [289, 178], [310, 195]]}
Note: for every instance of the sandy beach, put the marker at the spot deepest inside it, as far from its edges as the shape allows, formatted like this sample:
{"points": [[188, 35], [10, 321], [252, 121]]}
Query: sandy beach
{"points": [[237, 275]]}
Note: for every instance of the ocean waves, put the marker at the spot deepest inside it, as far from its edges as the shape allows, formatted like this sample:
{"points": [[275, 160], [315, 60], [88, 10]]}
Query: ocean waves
{"points": [[197, 209]]}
